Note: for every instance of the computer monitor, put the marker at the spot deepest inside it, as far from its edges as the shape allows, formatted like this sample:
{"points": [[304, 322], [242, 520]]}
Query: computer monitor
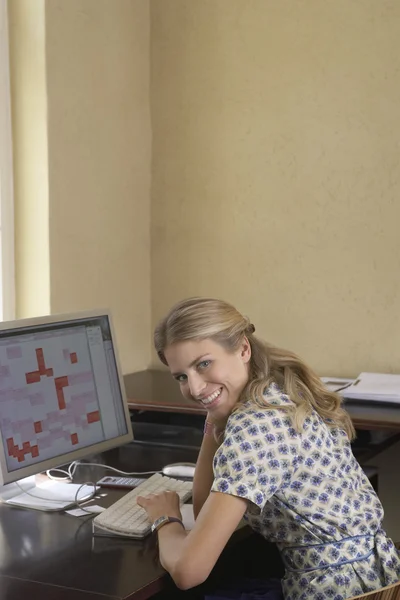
{"points": [[61, 392]]}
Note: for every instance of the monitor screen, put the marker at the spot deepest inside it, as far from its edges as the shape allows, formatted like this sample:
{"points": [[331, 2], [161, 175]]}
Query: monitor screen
{"points": [[61, 392]]}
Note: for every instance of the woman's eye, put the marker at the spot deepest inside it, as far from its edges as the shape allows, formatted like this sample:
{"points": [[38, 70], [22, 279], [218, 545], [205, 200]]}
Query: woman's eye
{"points": [[204, 364], [180, 378]]}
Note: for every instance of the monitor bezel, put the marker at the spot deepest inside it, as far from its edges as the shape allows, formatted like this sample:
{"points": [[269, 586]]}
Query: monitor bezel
{"points": [[81, 453]]}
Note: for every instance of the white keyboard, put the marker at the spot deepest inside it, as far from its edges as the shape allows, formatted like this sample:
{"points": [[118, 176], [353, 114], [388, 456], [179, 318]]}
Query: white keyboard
{"points": [[125, 517]]}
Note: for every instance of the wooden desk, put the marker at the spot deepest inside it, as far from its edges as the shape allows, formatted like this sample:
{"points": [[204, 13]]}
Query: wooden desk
{"points": [[54, 556], [157, 390], [12, 588]]}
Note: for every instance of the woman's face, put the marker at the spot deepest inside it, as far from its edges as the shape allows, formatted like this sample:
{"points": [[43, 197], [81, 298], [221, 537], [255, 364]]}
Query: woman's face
{"points": [[209, 374]]}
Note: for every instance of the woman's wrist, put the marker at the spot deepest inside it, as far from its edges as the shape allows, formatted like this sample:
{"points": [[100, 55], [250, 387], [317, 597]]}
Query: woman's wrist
{"points": [[165, 520], [209, 427], [214, 430]]}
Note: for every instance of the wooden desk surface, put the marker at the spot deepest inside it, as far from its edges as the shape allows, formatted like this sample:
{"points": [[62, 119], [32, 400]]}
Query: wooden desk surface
{"points": [[157, 390], [13, 588], [54, 556]]}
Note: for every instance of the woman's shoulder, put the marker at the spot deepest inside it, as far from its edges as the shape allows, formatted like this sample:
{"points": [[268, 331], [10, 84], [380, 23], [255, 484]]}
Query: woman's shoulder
{"points": [[273, 399], [268, 407], [275, 395]]}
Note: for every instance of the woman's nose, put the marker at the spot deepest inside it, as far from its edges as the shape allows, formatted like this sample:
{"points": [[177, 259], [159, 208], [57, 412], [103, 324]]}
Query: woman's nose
{"points": [[196, 385]]}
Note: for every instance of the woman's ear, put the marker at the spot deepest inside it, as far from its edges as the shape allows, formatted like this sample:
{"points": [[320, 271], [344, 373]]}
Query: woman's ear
{"points": [[245, 350]]}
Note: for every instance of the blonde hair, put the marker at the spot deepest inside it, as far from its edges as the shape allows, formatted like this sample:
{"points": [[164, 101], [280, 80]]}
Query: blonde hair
{"points": [[202, 318]]}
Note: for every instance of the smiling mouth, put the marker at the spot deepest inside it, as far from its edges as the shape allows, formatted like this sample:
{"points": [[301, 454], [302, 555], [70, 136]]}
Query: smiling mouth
{"points": [[211, 399]]}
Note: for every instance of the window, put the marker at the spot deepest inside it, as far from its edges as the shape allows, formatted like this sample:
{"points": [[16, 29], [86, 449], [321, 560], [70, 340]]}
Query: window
{"points": [[7, 278]]}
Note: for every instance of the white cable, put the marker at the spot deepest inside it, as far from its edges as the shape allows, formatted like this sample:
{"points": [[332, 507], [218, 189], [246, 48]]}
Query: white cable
{"points": [[74, 465], [80, 503], [50, 476]]}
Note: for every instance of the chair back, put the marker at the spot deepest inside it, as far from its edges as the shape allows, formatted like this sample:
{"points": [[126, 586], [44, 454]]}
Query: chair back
{"points": [[390, 592]]}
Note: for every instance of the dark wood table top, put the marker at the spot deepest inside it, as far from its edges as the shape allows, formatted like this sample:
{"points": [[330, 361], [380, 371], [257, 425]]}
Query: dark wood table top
{"points": [[54, 555], [12, 588], [156, 390]]}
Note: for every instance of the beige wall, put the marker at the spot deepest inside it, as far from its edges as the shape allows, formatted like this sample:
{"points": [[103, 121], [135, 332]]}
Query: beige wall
{"points": [[276, 178], [275, 169], [97, 227]]}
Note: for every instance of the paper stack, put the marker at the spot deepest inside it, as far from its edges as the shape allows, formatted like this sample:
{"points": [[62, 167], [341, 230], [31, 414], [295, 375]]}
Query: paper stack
{"points": [[375, 387], [337, 384]]}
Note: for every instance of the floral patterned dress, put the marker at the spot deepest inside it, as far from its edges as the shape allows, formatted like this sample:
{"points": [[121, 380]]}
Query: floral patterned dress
{"points": [[308, 494]]}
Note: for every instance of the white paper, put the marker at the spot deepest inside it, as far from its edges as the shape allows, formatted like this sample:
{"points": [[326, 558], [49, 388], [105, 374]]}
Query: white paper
{"points": [[187, 516], [79, 512], [378, 387]]}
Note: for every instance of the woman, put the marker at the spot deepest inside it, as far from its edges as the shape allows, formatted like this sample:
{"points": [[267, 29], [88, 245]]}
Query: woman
{"points": [[276, 451]]}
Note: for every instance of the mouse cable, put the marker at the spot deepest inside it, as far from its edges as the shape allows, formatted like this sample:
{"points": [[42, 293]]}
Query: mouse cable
{"points": [[74, 465], [70, 471]]}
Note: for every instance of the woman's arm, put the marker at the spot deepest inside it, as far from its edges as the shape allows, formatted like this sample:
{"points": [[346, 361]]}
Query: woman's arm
{"points": [[190, 557], [204, 476]]}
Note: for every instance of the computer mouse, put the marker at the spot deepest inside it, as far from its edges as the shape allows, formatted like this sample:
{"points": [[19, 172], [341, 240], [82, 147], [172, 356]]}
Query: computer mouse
{"points": [[185, 470]]}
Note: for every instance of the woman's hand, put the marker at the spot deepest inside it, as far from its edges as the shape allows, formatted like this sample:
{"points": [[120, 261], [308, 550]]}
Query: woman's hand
{"points": [[160, 505]]}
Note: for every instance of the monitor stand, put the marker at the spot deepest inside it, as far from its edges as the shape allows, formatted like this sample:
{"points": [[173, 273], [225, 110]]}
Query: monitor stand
{"points": [[42, 493]]}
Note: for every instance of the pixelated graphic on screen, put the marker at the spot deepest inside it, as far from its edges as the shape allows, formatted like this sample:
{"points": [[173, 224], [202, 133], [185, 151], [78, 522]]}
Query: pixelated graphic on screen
{"points": [[48, 396]]}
